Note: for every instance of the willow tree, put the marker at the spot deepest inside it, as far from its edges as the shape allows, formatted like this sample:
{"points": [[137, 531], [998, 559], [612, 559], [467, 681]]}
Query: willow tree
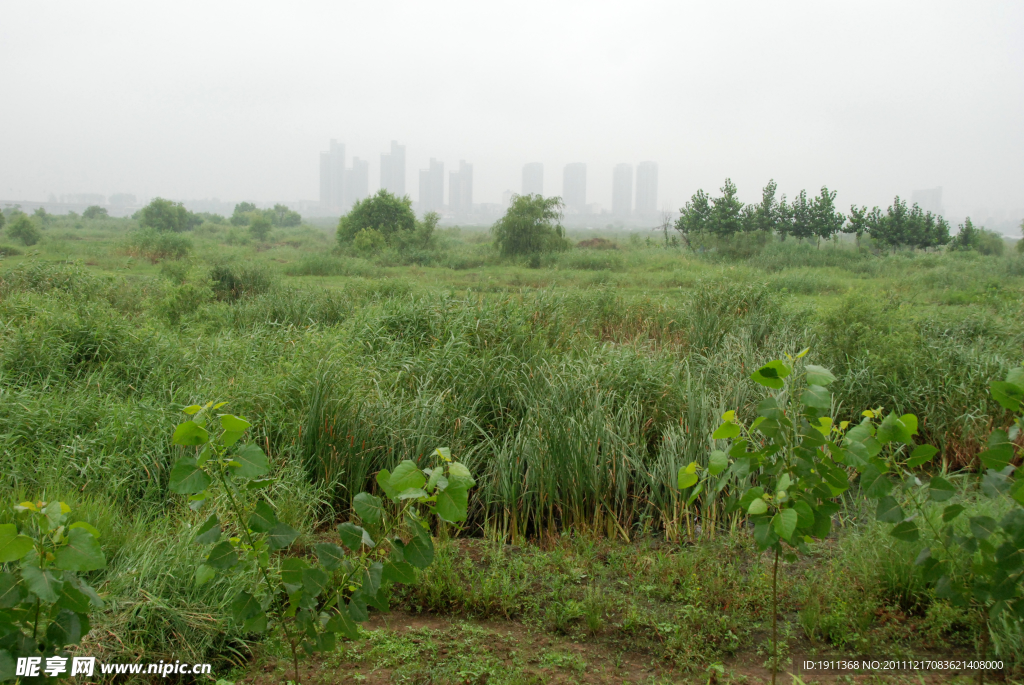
{"points": [[531, 225]]}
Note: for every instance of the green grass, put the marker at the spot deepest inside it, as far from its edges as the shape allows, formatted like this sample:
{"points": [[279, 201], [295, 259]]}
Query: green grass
{"points": [[574, 391]]}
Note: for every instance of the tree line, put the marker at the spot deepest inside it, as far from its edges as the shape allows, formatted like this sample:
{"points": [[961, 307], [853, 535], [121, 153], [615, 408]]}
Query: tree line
{"points": [[808, 218]]}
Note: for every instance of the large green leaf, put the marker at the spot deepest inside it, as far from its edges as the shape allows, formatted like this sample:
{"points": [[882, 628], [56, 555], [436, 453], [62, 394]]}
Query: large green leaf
{"points": [[341, 622], [771, 374], [816, 396], [354, 537], [67, 628], [407, 475], [233, 423], [263, 518], [784, 523], [1009, 395], [252, 462], [190, 434], [291, 572], [222, 556], [371, 579], [399, 572], [368, 508], [951, 512], [187, 478], [384, 481], [726, 431], [982, 526], [81, 553], [818, 375], [906, 531], [419, 551], [805, 515], [897, 429], [921, 455], [12, 545], [209, 532], [330, 555], [281, 536], [889, 510], [873, 482], [244, 606], [42, 584], [71, 599], [940, 489], [453, 502], [314, 580], [757, 507], [718, 461], [11, 591], [999, 452]]}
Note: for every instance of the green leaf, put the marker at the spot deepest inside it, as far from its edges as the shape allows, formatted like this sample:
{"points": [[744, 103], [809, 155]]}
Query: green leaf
{"points": [[187, 478], [11, 592], [330, 555], [999, 452], [726, 431], [71, 599], [757, 507], [81, 553], [805, 515], [764, 533], [191, 409], [897, 429], [717, 462], [354, 537], [412, 493], [291, 573], [252, 462], [384, 481], [982, 526], [406, 476], [951, 512], [233, 423], [86, 526], [687, 476], [453, 502], [85, 589], [940, 489], [874, 483], [341, 622], [818, 375], [244, 606], [784, 523], [371, 579], [1009, 395], [204, 574], [263, 518], [223, 556], [368, 508], [399, 572], [190, 434], [357, 609], [256, 624], [419, 551], [889, 510], [209, 532], [816, 396], [906, 531], [280, 536], [67, 628], [12, 545], [41, 583], [922, 454], [314, 580], [771, 374]]}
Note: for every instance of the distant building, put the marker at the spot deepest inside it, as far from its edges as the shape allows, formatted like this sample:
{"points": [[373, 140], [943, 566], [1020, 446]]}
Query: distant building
{"points": [[533, 178], [392, 170], [646, 188], [332, 176], [574, 187], [929, 200], [460, 188], [622, 190], [357, 181], [432, 187]]}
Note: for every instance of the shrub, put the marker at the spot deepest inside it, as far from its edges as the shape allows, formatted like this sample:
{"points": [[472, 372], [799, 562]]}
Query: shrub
{"points": [[530, 226], [165, 216], [231, 283], [385, 213], [95, 212], [155, 245], [259, 227], [369, 241], [24, 230]]}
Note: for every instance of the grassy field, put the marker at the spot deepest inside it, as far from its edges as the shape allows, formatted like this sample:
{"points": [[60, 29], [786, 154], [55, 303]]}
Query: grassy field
{"points": [[574, 391]]}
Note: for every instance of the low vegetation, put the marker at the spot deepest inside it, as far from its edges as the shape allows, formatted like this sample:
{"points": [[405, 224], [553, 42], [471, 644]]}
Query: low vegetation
{"points": [[612, 508]]}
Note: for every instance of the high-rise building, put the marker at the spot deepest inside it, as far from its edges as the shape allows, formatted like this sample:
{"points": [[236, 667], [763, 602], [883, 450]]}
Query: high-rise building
{"points": [[647, 188], [432, 187], [332, 176], [929, 200], [574, 187], [392, 170], [622, 190], [460, 188], [533, 178], [357, 181]]}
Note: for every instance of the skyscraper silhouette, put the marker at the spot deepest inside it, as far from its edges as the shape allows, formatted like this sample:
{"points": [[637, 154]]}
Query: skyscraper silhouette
{"points": [[574, 187], [646, 188], [392, 170], [432, 187], [332, 176], [460, 188], [622, 190]]}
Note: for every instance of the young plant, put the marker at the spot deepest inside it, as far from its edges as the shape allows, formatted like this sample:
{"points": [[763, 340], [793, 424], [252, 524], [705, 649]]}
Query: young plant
{"points": [[311, 601], [976, 563], [44, 604], [785, 470]]}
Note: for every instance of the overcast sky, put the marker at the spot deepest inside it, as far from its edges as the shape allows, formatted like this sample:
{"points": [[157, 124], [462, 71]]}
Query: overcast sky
{"points": [[236, 100]]}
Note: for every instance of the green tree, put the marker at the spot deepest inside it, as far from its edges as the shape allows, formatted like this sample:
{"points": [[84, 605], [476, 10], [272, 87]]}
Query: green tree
{"points": [[167, 217], [694, 218], [3, 220], [530, 226], [766, 214], [259, 227], [826, 221], [41, 215], [966, 238], [283, 217], [24, 230], [1020, 243], [95, 212], [727, 210], [388, 214], [801, 216], [242, 215], [857, 222]]}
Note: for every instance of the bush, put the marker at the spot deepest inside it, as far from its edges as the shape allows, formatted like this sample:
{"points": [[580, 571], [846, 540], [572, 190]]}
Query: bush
{"points": [[990, 243], [95, 212], [165, 216], [530, 226], [24, 230], [232, 283], [369, 241], [153, 245], [259, 227], [384, 213]]}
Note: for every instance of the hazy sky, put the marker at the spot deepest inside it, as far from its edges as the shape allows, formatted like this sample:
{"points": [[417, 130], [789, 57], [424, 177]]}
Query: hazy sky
{"points": [[236, 100]]}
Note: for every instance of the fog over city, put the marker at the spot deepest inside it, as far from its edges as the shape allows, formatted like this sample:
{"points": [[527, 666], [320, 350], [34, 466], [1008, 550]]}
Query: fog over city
{"points": [[237, 101]]}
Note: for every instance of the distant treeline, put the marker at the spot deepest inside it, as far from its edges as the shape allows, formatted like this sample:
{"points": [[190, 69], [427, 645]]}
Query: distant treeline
{"points": [[810, 218]]}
